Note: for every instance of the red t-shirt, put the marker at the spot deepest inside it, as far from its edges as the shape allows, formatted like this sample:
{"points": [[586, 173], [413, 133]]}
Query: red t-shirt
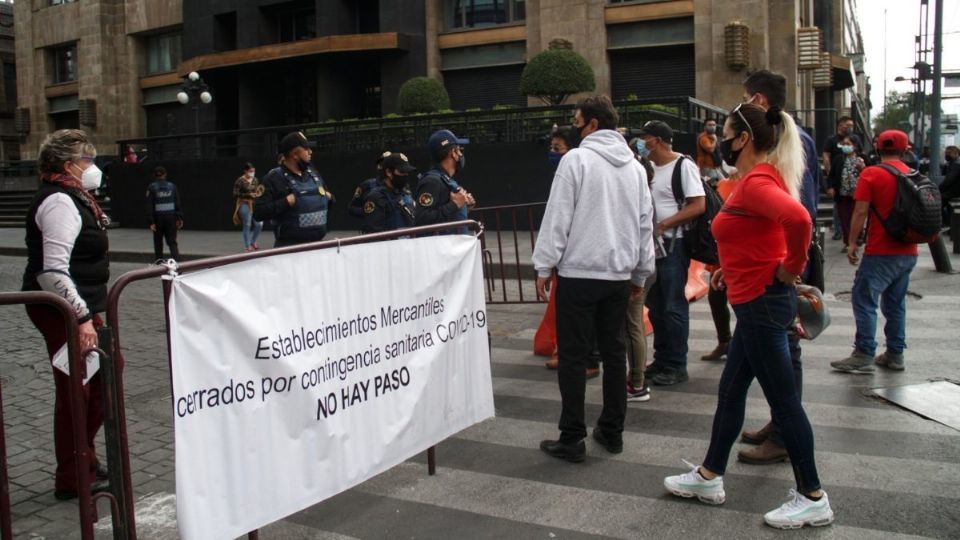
{"points": [[760, 227], [879, 188]]}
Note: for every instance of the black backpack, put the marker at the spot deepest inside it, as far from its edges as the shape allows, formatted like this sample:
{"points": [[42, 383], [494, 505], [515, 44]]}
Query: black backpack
{"points": [[916, 214], [697, 236]]}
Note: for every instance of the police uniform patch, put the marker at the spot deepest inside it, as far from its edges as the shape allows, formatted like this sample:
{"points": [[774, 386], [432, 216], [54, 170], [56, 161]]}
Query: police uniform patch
{"points": [[368, 207], [322, 191], [426, 199]]}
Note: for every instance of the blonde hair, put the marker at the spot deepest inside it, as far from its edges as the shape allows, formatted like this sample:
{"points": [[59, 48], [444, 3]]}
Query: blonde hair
{"points": [[62, 146], [789, 156]]}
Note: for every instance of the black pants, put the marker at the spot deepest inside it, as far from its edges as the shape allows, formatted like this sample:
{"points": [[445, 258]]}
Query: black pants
{"points": [[166, 225], [588, 308], [720, 313]]}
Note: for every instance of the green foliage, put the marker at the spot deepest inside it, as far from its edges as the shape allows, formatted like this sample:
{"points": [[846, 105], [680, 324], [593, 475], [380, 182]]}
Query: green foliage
{"points": [[896, 113], [555, 74], [422, 95], [504, 107]]}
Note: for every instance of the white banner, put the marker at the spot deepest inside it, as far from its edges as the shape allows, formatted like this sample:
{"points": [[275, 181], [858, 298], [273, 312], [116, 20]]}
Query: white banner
{"points": [[296, 377]]}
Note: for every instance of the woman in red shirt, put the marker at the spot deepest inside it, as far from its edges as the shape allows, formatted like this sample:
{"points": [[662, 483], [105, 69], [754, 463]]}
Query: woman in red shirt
{"points": [[762, 235]]}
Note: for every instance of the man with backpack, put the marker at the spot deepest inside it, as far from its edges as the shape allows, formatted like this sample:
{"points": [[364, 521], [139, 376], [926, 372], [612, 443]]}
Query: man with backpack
{"points": [[894, 202], [666, 298]]}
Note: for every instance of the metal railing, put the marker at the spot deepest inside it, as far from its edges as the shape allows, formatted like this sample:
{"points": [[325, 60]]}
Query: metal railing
{"points": [[507, 242], [504, 125], [78, 420]]}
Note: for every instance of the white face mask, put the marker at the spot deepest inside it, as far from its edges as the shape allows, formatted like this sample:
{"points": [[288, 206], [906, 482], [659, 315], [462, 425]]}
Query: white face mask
{"points": [[250, 174], [91, 177]]}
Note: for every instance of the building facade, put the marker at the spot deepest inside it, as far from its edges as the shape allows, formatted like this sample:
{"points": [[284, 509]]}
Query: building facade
{"points": [[9, 141], [115, 67]]}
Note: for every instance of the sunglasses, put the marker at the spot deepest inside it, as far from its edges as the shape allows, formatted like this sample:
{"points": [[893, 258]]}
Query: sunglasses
{"points": [[736, 110]]}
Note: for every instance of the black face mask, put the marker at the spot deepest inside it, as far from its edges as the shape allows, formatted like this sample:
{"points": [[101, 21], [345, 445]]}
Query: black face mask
{"points": [[399, 182], [576, 136], [730, 156]]}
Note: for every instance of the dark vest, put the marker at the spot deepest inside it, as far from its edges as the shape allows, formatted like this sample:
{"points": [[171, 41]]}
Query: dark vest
{"points": [[399, 208], [164, 197], [307, 220], [89, 265]]}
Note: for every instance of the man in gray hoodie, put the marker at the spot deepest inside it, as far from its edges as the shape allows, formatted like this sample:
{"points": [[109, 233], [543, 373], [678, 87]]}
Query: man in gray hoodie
{"points": [[597, 233]]}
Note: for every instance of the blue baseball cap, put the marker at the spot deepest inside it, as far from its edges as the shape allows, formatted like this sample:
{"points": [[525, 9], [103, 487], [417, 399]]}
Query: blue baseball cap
{"points": [[440, 141]]}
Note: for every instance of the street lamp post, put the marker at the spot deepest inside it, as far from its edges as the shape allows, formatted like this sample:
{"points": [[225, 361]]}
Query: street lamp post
{"points": [[195, 91]]}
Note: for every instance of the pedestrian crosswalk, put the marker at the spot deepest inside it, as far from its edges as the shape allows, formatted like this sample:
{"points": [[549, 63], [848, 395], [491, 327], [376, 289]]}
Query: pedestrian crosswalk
{"points": [[882, 466]]}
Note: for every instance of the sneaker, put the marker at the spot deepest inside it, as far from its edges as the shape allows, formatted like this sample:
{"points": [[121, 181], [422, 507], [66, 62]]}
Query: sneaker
{"points": [[669, 378], [638, 394], [890, 360], [858, 362], [691, 484], [800, 511]]}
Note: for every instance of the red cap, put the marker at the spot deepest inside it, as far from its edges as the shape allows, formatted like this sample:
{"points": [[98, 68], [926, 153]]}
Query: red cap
{"points": [[893, 139]]}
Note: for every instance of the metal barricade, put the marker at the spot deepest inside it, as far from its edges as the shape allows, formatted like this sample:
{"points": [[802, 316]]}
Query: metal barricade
{"points": [[120, 445], [516, 227], [78, 419]]}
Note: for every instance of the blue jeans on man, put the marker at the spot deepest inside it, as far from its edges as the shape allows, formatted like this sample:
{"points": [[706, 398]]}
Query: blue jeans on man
{"points": [[670, 315], [882, 280]]}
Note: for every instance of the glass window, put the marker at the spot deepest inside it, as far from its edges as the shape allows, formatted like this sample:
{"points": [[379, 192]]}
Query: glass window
{"points": [[59, 2], [64, 63], [296, 24], [480, 13], [163, 53]]}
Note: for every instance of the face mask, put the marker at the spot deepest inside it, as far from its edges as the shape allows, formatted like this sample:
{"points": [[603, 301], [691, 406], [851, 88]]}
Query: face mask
{"points": [[642, 149], [398, 181], [730, 156], [554, 158], [846, 148], [304, 165], [250, 174], [462, 162], [91, 177], [576, 136], [711, 129]]}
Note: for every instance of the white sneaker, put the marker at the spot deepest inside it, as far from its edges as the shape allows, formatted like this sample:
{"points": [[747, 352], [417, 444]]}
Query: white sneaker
{"points": [[800, 511], [691, 484]]}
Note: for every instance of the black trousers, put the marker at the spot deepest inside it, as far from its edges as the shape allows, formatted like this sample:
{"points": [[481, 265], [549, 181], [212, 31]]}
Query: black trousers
{"points": [[588, 308], [166, 225]]}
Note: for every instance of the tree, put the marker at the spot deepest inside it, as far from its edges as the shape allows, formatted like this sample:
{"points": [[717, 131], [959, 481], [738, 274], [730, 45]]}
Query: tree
{"points": [[422, 95], [556, 73], [896, 113]]}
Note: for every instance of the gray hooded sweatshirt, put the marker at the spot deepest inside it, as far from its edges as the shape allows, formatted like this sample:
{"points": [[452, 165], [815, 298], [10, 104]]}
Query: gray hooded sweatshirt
{"points": [[599, 218]]}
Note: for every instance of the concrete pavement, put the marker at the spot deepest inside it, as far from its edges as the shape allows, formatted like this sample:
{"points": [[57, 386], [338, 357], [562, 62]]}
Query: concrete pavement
{"points": [[889, 473]]}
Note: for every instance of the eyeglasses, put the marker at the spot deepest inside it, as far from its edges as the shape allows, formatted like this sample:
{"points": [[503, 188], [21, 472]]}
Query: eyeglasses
{"points": [[88, 158], [736, 110]]}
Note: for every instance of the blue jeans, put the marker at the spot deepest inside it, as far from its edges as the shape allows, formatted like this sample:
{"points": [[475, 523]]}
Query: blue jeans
{"points": [[884, 278], [760, 349], [669, 309], [251, 228]]}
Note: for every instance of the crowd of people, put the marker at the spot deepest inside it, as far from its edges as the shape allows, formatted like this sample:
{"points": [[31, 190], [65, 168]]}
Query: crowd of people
{"points": [[611, 247]]}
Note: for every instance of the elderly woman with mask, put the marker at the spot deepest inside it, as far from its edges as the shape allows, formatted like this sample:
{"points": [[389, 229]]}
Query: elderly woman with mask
{"points": [[67, 255]]}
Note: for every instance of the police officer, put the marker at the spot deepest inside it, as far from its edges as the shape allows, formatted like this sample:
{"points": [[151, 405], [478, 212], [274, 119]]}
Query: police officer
{"points": [[164, 213], [355, 208], [389, 205], [294, 197], [440, 199]]}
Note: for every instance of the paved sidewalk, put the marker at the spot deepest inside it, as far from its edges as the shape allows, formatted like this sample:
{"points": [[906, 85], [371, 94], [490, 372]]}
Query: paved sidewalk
{"points": [[890, 473]]}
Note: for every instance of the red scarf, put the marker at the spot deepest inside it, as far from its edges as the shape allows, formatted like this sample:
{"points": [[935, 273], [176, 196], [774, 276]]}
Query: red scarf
{"points": [[72, 185]]}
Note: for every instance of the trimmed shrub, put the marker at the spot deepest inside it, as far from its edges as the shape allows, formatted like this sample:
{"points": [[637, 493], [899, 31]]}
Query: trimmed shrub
{"points": [[422, 95], [555, 74]]}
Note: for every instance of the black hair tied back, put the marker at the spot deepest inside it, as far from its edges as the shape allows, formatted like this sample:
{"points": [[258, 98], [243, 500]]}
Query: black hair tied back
{"points": [[773, 116]]}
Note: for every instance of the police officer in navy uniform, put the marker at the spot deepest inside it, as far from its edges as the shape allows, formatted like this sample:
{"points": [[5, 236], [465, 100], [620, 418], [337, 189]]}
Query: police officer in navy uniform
{"points": [[164, 213], [355, 207], [294, 196], [440, 199], [389, 205]]}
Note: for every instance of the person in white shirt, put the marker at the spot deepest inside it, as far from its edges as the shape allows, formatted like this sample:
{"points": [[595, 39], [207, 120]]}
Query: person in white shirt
{"points": [[67, 255], [597, 234], [666, 299]]}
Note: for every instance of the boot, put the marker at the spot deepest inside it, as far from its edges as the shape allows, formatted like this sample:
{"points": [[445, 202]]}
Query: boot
{"points": [[858, 362], [756, 437], [718, 353], [767, 453]]}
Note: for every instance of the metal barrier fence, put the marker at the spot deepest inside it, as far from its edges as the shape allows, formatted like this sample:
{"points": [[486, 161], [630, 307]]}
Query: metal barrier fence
{"points": [[507, 269], [78, 420], [119, 446], [686, 115]]}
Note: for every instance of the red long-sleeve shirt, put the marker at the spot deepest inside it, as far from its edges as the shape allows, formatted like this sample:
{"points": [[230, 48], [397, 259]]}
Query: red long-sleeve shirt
{"points": [[760, 227]]}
